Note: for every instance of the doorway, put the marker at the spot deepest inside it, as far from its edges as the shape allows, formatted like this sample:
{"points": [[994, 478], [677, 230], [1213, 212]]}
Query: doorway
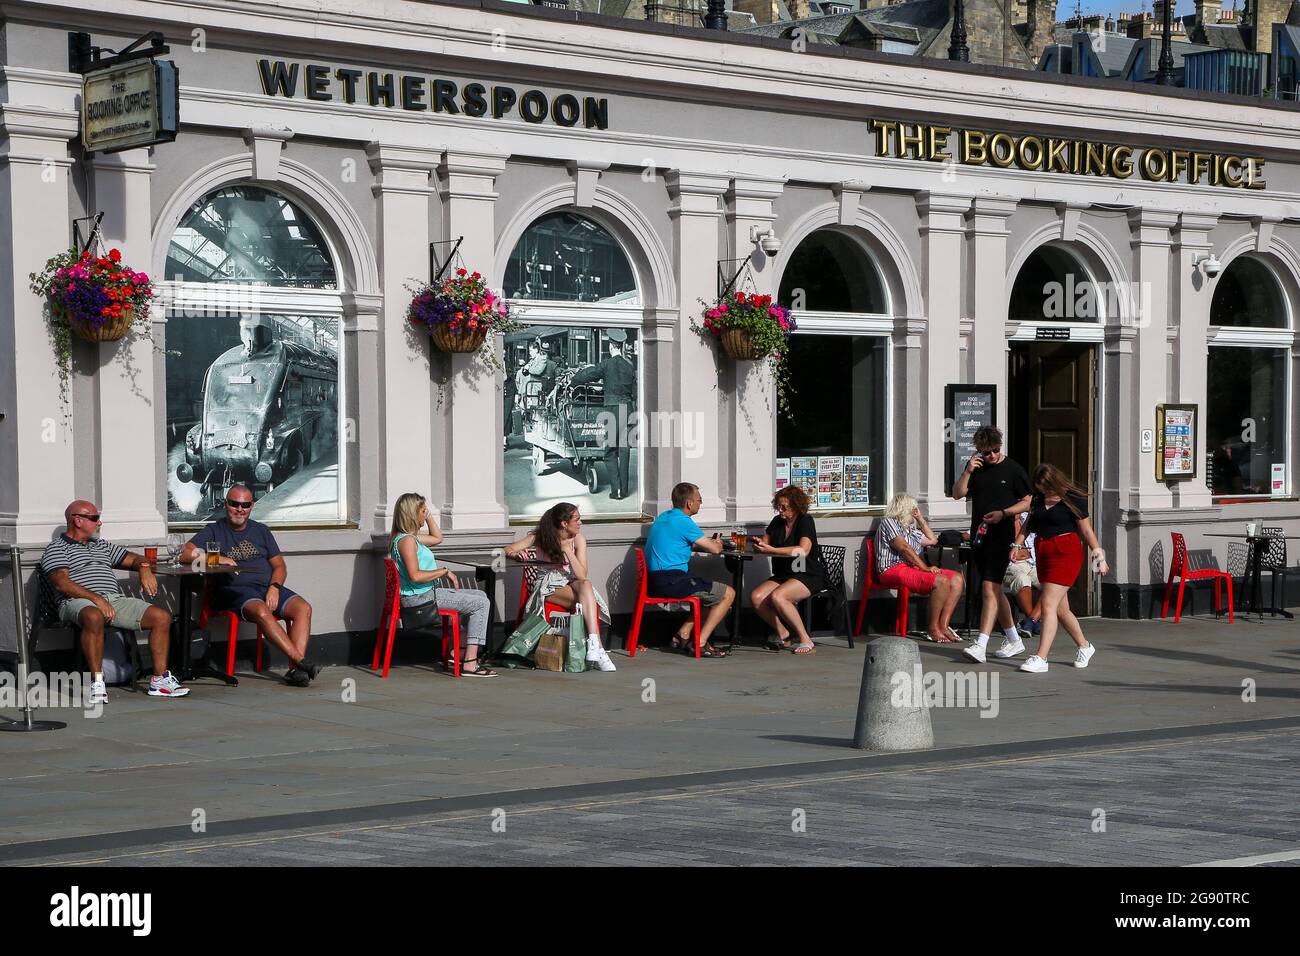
{"points": [[1050, 418]]}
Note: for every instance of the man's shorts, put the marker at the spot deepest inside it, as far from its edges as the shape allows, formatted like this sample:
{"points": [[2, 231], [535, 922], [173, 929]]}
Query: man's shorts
{"points": [[128, 612], [234, 599], [679, 584], [1020, 575]]}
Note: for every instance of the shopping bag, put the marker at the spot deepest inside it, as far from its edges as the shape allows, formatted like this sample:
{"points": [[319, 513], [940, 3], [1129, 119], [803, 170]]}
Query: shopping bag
{"points": [[520, 645], [576, 660], [549, 655]]}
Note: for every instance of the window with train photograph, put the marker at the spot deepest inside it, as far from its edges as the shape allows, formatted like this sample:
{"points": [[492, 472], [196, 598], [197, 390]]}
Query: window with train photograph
{"points": [[252, 362]]}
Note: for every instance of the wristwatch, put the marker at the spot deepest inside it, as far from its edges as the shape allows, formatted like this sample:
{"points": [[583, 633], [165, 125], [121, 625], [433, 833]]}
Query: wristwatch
{"points": [[274, 584]]}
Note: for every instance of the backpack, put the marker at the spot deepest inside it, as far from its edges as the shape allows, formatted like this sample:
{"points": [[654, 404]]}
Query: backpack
{"points": [[119, 667]]}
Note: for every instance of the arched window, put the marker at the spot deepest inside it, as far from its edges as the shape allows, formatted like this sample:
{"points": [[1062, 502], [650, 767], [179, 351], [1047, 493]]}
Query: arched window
{"points": [[1246, 382], [834, 440], [1053, 286], [253, 361], [247, 234], [564, 257], [572, 385]]}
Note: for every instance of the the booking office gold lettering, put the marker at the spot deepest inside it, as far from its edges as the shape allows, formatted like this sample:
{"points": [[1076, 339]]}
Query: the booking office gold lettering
{"points": [[1051, 154]]}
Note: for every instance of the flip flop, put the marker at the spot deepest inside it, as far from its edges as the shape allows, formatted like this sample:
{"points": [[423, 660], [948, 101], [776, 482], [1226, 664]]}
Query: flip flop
{"points": [[780, 645], [804, 650], [708, 650], [479, 670]]}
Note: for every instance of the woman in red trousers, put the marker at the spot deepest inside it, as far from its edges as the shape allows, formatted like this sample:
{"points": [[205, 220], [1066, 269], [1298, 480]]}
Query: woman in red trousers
{"points": [[1058, 514]]}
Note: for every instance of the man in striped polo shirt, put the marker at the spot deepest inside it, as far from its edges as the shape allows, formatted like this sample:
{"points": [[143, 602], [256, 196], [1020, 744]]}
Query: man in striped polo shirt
{"points": [[80, 566]]}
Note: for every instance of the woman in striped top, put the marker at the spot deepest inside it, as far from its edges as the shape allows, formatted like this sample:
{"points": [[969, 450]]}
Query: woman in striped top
{"points": [[900, 536]]}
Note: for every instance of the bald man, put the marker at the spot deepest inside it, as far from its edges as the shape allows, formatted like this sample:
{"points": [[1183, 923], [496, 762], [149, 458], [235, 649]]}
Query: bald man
{"points": [[80, 566]]}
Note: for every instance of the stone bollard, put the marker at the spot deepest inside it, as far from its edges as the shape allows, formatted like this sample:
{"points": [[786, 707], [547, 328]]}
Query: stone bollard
{"points": [[883, 723]]}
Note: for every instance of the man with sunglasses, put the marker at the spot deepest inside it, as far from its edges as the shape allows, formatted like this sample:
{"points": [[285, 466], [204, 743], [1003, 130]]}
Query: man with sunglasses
{"points": [[257, 593], [80, 565]]}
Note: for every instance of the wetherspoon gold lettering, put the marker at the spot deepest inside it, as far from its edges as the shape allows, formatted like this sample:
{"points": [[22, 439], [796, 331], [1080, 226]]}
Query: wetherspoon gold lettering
{"points": [[1057, 155]]}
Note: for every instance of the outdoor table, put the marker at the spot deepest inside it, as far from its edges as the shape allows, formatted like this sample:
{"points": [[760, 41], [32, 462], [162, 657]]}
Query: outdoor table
{"points": [[485, 565], [188, 582], [1255, 544], [963, 550], [735, 560]]}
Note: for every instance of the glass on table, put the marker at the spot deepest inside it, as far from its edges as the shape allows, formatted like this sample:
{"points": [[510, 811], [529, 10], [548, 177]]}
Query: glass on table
{"points": [[151, 555], [214, 554], [175, 544]]}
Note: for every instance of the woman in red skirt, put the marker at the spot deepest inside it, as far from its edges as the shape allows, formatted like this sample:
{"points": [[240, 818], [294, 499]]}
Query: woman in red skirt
{"points": [[1058, 514]]}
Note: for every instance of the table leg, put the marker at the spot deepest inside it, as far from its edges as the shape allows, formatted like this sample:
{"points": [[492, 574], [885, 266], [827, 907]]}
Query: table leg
{"points": [[188, 670], [737, 583], [488, 577]]}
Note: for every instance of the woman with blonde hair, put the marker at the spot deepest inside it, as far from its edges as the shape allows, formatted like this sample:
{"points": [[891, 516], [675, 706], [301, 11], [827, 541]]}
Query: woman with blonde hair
{"points": [[900, 536], [1058, 515], [414, 533]]}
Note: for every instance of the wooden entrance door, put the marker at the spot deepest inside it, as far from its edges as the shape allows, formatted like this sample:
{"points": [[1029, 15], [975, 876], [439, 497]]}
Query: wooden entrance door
{"points": [[1050, 409]]}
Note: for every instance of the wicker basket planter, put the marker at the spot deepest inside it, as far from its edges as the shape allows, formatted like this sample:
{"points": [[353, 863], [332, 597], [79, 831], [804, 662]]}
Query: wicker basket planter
{"points": [[110, 331], [463, 341], [738, 344]]}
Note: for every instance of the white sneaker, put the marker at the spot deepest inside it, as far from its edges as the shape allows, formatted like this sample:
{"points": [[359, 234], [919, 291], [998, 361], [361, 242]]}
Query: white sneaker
{"points": [[594, 650], [604, 663], [1010, 647], [1084, 655], [1035, 665], [975, 652], [166, 686], [98, 693]]}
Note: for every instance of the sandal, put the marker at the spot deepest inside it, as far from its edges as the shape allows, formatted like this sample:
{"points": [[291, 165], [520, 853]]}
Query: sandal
{"points": [[806, 649], [480, 670], [684, 644], [708, 650], [780, 644]]}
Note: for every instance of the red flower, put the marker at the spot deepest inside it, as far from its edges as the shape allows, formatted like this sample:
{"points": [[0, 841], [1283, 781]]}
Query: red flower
{"points": [[461, 272], [115, 255]]}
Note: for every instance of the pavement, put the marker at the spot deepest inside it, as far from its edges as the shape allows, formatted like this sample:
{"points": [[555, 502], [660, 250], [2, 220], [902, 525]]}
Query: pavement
{"points": [[1187, 731]]}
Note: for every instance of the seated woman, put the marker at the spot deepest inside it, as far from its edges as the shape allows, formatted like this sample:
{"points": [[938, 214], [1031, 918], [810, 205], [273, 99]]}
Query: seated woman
{"points": [[418, 570], [791, 537], [558, 539], [901, 534]]}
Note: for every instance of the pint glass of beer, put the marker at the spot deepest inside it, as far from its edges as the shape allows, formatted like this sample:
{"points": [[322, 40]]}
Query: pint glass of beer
{"points": [[214, 554]]}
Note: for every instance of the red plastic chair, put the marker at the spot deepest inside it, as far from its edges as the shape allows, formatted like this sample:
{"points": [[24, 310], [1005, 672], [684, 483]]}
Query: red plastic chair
{"points": [[531, 574], [871, 583], [387, 632], [1178, 569], [229, 621], [642, 599]]}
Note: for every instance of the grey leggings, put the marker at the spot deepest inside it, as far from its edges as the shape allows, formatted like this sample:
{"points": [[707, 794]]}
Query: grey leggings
{"points": [[472, 605]]}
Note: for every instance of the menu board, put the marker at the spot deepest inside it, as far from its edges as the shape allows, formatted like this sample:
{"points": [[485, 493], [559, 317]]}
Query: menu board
{"points": [[857, 479], [968, 408], [1175, 442], [803, 472], [782, 473], [830, 481]]}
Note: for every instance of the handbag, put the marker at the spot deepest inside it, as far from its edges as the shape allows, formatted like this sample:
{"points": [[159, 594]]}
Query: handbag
{"points": [[520, 645]]}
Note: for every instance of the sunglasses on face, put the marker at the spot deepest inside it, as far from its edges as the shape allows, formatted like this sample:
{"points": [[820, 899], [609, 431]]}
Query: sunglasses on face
{"points": [[232, 503], [91, 518]]}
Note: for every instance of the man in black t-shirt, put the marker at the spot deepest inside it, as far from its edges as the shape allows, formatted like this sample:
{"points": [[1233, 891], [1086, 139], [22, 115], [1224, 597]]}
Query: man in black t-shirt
{"points": [[998, 489], [257, 593]]}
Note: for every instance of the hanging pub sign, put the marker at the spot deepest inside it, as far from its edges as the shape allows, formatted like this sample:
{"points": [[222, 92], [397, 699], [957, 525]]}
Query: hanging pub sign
{"points": [[1175, 442], [129, 105]]}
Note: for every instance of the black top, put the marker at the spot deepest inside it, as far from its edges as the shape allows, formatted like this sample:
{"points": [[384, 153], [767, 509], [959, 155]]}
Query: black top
{"points": [[804, 527], [1059, 519], [253, 547], [618, 376], [996, 488]]}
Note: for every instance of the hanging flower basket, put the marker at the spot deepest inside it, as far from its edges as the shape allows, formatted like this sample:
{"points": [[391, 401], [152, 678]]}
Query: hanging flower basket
{"points": [[751, 327], [110, 330], [459, 313]]}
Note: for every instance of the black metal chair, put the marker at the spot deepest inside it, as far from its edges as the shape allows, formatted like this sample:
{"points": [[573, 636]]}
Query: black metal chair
{"points": [[834, 592], [1273, 560]]}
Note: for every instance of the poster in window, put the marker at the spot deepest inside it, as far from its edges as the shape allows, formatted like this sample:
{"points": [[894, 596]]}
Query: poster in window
{"points": [[1277, 478], [857, 479], [803, 472], [782, 473], [830, 481], [1175, 442], [253, 399], [574, 430]]}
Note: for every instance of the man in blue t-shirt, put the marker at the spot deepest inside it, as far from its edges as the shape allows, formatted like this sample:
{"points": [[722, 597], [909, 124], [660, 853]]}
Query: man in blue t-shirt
{"points": [[257, 593], [672, 538]]}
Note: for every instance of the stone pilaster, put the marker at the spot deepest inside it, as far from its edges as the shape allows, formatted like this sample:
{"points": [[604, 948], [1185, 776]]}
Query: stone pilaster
{"points": [[987, 355], [1193, 291]]}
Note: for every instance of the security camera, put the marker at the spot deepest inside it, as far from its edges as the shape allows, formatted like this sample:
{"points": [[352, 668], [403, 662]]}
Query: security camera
{"points": [[765, 239], [1210, 263]]}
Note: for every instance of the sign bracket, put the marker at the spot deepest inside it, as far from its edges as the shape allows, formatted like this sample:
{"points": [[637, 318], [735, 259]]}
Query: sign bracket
{"points": [[725, 285], [436, 271], [84, 56], [94, 230]]}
